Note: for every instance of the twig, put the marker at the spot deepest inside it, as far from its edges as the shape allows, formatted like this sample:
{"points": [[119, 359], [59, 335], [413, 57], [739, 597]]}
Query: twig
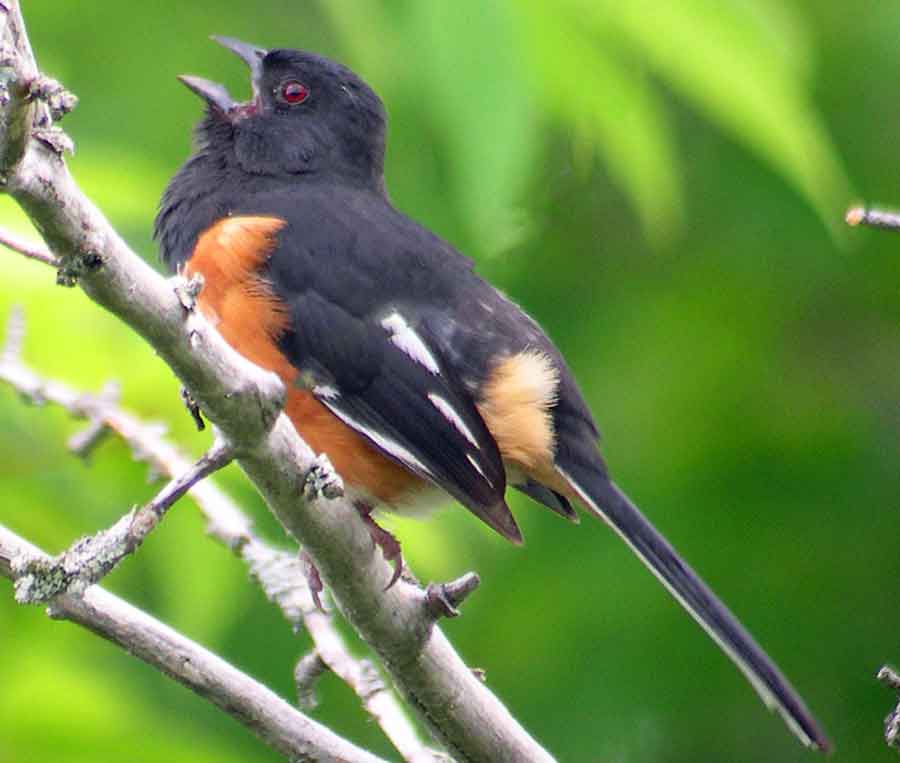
{"points": [[873, 218], [245, 403], [278, 572], [262, 711], [90, 559], [889, 677], [444, 598], [193, 409], [30, 249], [85, 442], [307, 672], [19, 115], [15, 337]]}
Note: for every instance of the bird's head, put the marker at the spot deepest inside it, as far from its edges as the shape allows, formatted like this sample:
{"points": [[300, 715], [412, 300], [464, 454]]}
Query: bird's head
{"points": [[307, 115]]}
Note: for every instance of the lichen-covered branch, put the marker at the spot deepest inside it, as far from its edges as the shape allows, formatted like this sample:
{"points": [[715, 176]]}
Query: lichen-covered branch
{"points": [[91, 558], [283, 727], [276, 570], [244, 402], [890, 678]]}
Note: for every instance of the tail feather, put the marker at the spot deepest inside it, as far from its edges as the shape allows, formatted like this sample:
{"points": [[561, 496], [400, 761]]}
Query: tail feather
{"points": [[604, 499]]}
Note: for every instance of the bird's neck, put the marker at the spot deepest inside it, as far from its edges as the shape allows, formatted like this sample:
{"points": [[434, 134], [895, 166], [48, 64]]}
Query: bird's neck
{"points": [[194, 199]]}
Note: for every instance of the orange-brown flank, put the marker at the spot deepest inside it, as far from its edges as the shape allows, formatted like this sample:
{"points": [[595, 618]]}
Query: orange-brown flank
{"points": [[515, 402], [248, 315]]}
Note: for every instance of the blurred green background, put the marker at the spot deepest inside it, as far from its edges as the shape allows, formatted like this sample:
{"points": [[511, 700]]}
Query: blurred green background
{"points": [[662, 185]]}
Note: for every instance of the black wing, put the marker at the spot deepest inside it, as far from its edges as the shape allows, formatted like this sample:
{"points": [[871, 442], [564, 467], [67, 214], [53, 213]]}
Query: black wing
{"points": [[360, 336]]}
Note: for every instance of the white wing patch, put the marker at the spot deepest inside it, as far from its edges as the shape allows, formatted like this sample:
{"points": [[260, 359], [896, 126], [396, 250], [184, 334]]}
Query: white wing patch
{"points": [[407, 340], [388, 445], [453, 417], [477, 467], [326, 392]]}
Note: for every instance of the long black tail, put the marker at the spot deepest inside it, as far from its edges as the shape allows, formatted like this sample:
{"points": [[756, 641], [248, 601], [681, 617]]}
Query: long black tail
{"points": [[609, 503]]}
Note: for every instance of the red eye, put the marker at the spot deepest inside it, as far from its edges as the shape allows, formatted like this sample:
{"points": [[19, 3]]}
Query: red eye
{"points": [[293, 92]]}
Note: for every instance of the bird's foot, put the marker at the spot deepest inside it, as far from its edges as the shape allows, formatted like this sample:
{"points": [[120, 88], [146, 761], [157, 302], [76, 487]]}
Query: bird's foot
{"points": [[389, 545]]}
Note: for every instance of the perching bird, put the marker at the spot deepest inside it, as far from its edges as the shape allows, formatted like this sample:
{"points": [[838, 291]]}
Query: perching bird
{"points": [[416, 377]]}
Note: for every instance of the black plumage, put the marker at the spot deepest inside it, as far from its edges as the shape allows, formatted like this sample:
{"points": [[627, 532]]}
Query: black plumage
{"points": [[392, 329]]}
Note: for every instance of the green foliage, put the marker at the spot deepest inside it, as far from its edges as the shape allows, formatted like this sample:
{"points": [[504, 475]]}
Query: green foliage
{"points": [[743, 65], [743, 370], [610, 107]]}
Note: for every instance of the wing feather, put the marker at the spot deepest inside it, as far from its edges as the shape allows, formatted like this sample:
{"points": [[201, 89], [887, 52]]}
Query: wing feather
{"points": [[382, 375]]}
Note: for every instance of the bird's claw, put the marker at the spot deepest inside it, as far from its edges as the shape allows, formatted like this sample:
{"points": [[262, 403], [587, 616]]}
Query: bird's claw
{"points": [[385, 540]]}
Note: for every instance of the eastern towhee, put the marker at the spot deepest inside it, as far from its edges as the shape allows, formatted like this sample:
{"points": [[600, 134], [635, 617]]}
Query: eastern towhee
{"points": [[416, 377]]}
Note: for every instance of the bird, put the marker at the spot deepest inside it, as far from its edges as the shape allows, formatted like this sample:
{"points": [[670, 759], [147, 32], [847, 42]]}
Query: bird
{"points": [[418, 379]]}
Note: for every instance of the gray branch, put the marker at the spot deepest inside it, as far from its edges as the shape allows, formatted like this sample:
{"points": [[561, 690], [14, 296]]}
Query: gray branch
{"points": [[890, 678], [277, 571], [244, 402], [32, 251], [872, 218], [271, 718], [90, 559]]}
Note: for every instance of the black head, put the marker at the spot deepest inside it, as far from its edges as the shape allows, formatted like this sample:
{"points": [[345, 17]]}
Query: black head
{"points": [[308, 115], [308, 118]]}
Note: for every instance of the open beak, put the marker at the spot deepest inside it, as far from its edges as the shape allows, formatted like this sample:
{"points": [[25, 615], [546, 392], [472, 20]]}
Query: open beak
{"points": [[217, 95], [249, 54], [212, 92]]}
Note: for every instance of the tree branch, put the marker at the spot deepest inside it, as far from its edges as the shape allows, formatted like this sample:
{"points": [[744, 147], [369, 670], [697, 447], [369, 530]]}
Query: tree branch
{"points": [[276, 571], [872, 218], [259, 709], [889, 677], [90, 559], [245, 403], [31, 250]]}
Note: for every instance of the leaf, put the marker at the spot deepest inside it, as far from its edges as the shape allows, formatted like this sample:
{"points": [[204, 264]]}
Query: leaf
{"points": [[612, 107], [735, 69], [459, 65], [366, 31], [483, 110]]}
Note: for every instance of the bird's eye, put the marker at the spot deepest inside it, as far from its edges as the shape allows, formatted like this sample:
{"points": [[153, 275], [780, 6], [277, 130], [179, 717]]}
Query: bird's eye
{"points": [[293, 92]]}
